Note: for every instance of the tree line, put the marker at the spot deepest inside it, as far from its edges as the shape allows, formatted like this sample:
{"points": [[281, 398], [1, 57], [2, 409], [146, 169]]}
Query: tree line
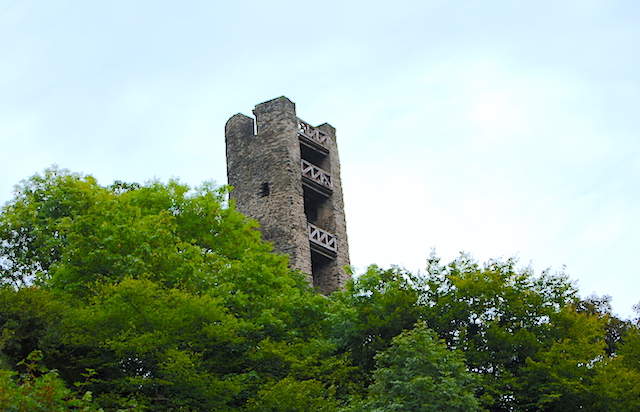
{"points": [[159, 297]]}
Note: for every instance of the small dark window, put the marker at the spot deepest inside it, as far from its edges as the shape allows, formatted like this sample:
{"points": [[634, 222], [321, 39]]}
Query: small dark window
{"points": [[264, 190]]}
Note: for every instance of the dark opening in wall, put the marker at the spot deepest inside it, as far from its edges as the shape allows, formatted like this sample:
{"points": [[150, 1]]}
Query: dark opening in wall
{"points": [[317, 158], [264, 190], [316, 207], [321, 270]]}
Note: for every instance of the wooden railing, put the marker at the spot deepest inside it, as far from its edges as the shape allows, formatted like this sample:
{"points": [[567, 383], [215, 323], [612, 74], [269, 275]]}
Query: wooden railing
{"points": [[322, 238], [316, 174], [313, 134]]}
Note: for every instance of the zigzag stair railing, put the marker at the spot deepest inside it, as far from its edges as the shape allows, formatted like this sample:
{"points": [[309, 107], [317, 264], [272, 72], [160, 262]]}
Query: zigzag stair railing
{"points": [[322, 238], [316, 174], [313, 134]]}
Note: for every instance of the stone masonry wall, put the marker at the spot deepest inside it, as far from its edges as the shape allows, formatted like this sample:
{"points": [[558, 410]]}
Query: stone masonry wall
{"points": [[334, 276], [264, 169]]}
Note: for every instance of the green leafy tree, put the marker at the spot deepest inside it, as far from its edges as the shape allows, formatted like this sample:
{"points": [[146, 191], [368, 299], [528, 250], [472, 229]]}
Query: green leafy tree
{"points": [[168, 293], [171, 297], [576, 373], [615, 386], [615, 328], [497, 315], [419, 373], [560, 376], [291, 395], [39, 389], [372, 309], [165, 347], [629, 350], [29, 224], [29, 320]]}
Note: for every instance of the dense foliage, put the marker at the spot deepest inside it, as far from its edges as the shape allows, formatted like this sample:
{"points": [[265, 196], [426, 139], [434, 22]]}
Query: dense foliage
{"points": [[162, 298]]}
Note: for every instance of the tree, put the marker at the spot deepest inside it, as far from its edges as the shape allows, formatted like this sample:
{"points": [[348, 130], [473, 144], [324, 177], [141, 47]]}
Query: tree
{"points": [[371, 310], [419, 373], [29, 320], [290, 395], [29, 223], [497, 315], [616, 386], [559, 377], [168, 293], [172, 298], [615, 328], [42, 390], [164, 347]]}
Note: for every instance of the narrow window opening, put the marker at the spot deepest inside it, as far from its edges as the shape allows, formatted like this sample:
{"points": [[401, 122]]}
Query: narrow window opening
{"points": [[264, 190]]}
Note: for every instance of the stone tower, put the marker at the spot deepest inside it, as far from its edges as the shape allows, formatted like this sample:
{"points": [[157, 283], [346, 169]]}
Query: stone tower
{"points": [[286, 175]]}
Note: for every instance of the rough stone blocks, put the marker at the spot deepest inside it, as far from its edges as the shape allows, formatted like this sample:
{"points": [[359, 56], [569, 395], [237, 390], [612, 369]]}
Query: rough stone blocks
{"points": [[266, 170]]}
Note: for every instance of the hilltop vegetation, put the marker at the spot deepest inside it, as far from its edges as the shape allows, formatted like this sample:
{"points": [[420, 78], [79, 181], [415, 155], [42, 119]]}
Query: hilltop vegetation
{"points": [[161, 298]]}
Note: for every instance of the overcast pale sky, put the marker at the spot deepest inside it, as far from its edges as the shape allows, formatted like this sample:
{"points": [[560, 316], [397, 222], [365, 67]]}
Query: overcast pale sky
{"points": [[492, 127]]}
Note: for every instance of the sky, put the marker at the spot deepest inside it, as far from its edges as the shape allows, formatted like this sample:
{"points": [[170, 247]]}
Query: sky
{"points": [[498, 128]]}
